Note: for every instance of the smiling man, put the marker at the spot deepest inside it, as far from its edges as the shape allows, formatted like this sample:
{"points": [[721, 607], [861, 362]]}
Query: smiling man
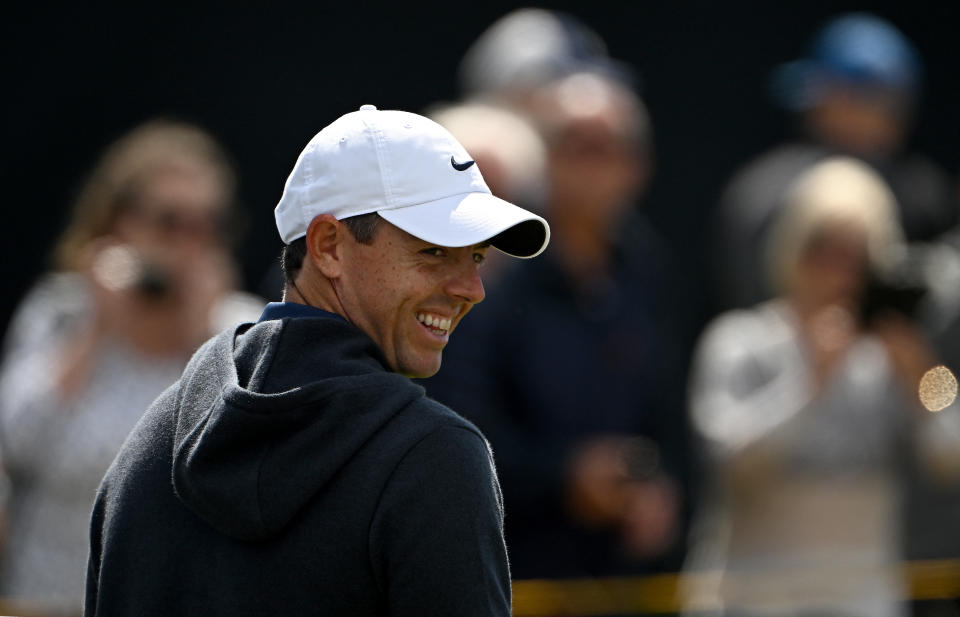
{"points": [[294, 469]]}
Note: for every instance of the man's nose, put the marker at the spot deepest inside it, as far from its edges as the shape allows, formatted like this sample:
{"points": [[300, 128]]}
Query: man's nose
{"points": [[465, 282]]}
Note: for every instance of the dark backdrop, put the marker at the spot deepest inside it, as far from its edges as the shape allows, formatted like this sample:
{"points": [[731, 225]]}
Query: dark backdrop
{"points": [[264, 78]]}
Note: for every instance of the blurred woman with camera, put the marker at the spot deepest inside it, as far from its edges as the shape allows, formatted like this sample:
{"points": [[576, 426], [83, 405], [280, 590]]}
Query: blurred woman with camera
{"points": [[143, 275], [806, 406]]}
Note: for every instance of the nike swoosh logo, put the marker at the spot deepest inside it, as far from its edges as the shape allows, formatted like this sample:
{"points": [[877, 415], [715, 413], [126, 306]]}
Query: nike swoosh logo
{"points": [[461, 166]]}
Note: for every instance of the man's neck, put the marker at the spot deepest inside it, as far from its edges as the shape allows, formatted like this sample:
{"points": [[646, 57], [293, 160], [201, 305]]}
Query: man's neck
{"points": [[301, 292]]}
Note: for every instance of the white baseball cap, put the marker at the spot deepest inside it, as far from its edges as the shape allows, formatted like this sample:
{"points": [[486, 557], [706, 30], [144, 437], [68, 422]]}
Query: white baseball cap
{"points": [[413, 173]]}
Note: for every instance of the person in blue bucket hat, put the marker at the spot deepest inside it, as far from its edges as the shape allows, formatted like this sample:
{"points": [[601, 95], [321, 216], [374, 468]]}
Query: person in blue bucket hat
{"points": [[859, 52]]}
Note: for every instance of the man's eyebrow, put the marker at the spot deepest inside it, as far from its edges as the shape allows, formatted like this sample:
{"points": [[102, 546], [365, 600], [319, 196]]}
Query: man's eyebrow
{"points": [[482, 245]]}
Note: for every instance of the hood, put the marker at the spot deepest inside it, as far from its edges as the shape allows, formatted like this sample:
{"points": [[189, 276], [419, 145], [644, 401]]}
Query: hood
{"points": [[266, 415]]}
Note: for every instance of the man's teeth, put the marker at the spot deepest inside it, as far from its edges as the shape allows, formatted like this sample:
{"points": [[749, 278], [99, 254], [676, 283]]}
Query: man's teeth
{"points": [[434, 321]]}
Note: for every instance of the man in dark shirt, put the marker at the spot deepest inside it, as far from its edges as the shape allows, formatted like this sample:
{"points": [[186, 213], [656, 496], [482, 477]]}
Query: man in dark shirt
{"points": [[294, 469], [575, 374]]}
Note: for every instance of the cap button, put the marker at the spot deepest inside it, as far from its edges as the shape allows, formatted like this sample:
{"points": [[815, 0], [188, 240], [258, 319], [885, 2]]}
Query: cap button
{"points": [[368, 108]]}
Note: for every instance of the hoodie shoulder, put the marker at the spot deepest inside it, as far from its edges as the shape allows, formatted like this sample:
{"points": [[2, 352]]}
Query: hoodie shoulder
{"points": [[437, 531], [442, 416]]}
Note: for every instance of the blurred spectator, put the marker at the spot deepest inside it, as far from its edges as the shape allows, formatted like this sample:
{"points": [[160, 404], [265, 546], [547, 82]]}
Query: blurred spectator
{"points": [[509, 153], [528, 48], [142, 276], [807, 406], [575, 376], [853, 94]]}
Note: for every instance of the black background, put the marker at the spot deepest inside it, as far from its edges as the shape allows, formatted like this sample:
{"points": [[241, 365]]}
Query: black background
{"points": [[265, 77]]}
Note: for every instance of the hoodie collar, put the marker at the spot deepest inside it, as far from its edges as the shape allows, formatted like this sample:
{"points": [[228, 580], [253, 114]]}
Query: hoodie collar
{"points": [[280, 310]]}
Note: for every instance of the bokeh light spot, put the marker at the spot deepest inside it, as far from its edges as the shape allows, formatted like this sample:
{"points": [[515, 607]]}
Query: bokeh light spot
{"points": [[938, 388]]}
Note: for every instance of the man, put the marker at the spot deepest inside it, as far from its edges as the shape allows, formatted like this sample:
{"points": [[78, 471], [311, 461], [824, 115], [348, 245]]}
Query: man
{"points": [[294, 469], [576, 378]]}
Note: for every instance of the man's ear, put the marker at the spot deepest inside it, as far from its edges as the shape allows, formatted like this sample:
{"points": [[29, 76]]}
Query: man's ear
{"points": [[325, 237]]}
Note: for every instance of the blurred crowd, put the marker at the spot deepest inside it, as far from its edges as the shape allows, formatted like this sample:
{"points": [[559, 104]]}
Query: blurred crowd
{"points": [[787, 457]]}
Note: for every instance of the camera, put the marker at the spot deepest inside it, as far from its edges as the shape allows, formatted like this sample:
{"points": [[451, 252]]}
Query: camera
{"points": [[121, 267], [899, 290]]}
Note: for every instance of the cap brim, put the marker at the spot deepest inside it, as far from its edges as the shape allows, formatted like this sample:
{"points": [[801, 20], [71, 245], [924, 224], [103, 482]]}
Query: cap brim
{"points": [[474, 218]]}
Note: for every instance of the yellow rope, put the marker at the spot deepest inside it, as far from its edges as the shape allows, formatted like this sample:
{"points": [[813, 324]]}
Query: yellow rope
{"points": [[927, 580]]}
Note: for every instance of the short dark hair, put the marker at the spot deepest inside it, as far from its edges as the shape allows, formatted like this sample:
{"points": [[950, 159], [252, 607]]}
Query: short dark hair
{"points": [[363, 227]]}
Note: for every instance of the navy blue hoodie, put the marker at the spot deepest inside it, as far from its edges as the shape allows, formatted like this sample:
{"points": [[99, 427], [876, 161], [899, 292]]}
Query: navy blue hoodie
{"points": [[288, 472]]}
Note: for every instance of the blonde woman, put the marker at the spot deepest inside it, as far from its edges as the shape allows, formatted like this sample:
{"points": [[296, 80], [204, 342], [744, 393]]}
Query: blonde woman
{"points": [[805, 411], [142, 276]]}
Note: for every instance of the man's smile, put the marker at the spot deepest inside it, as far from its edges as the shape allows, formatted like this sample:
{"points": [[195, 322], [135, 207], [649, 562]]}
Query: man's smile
{"points": [[436, 324]]}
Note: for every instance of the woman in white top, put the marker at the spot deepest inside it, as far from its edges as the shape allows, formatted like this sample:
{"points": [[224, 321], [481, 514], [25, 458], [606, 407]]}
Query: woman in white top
{"points": [[805, 410], [142, 277]]}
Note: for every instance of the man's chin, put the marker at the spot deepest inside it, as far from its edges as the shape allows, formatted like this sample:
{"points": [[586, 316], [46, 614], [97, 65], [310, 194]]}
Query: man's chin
{"points": [[420, 370]]}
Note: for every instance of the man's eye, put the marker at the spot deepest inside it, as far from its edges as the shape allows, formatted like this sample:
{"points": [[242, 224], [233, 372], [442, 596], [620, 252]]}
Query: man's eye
{"points": [[434, 251], [479, 258]]}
